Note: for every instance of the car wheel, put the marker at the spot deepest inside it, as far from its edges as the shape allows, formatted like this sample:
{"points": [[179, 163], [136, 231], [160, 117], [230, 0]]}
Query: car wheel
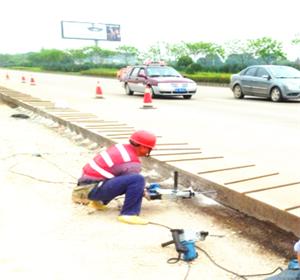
{"points": [[187, 96], [128, 90], [237, 92], [275, 94]]}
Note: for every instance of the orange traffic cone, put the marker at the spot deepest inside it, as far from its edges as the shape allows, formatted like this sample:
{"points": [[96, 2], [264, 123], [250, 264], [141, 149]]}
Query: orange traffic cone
{"points": [[23, 79], [99, 93], [147, 99], [32, 82]]}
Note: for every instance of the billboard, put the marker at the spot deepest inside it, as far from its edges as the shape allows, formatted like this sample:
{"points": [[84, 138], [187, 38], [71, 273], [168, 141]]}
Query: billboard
{"points": [[90, 31]]}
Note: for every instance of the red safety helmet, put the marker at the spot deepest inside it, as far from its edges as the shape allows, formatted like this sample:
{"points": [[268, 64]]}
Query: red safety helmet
{"points": [[143, 138]]}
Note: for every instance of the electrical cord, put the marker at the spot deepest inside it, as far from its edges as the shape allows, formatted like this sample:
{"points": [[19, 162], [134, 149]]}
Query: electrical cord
{"points": [[35, 178], [54, 164], [161, 225], [38, 154], [41, 180], [175, 260], [234, 273], [21, 154], [264, 274], [219, 266], [59, 168]]}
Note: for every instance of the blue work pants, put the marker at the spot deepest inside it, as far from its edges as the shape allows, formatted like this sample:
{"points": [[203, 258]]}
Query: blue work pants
{"points": [[132, 185]]}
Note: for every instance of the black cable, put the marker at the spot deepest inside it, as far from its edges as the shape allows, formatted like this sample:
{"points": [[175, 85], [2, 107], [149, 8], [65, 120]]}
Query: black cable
{"points": [[234, 273], [59, 168], [219, 266], [41, 180], [39, 154], [264, 274], [161, 225], [174, 260], [35, 178], [21, 154]]}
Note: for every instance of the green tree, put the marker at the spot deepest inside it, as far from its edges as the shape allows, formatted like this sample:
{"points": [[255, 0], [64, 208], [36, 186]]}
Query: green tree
{"points": [[184, 61], [78, 55], [296, 40], [97, 55], [175, 51], [267, 49], [47, 57], [236, 52], [203, 49], [130, 53], [155, 52], [212, 62]]}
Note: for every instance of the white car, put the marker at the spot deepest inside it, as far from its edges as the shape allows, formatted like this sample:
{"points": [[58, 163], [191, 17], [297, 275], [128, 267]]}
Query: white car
{"points": [[163, 81]]}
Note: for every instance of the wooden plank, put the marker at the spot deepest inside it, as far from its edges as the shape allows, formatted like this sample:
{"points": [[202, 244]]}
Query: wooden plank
{"points": [[176, 149], [261, 175], [172, 153], [117, 131], [170, 158], [264, 183], [225, 169], [237, 176], [205, 162], [272, 187], [281, 198], [100, 123], [170, 144]]}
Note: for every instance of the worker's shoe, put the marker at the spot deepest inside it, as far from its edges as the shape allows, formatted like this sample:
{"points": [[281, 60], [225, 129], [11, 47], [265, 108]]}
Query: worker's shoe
{"points": [[135, 220], [97, 205], [80, 194]]}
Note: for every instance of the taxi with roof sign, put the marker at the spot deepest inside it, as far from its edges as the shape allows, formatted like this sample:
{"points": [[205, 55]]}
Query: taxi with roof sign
{"points": [[163, 81]]}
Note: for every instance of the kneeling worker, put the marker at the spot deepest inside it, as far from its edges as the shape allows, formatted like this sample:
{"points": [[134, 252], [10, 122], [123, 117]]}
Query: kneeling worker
{"points": [[114, 172]]}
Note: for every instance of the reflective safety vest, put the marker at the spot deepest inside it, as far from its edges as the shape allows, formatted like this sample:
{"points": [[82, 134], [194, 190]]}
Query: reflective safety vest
{"points": [[119, 159]]}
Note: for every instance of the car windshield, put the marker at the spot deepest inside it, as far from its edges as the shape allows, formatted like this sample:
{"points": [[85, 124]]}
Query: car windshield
{"points": [[285, 72], [162, 72]]}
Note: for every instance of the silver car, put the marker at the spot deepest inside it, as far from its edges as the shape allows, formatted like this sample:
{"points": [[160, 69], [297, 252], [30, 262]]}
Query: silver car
{"points": [[275, 82]]}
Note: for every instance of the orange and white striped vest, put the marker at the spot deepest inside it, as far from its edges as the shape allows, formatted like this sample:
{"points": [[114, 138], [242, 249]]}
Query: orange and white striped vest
{"points": [[119, 159]]}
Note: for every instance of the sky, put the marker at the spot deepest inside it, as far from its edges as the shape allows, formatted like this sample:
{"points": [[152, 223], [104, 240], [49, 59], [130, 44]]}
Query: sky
{"points": [[35, 24]]}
